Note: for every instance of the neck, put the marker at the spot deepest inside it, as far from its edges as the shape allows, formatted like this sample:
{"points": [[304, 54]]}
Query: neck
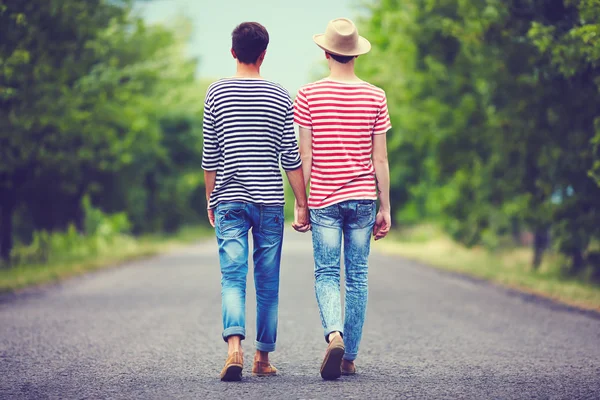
{"points": [[343, 72], [248, 70]]}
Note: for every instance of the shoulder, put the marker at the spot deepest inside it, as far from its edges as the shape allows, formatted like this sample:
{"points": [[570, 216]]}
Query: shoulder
{"points": [[277, 89], [376, 90], [216, 87], [217, 84], [309, 90], [310, 87]]}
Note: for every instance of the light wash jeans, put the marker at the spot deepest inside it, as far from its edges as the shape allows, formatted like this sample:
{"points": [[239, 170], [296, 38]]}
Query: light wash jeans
{"points": [[354, 220], [233, 221]]}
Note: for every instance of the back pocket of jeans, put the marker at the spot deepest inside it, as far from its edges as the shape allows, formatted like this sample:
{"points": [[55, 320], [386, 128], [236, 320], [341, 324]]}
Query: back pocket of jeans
{"points": [[230, 222], [365, 208], [271, 225], [365, 215]]}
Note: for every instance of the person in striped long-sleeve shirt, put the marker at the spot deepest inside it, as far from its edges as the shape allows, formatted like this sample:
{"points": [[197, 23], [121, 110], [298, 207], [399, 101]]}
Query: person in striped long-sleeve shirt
{"points": [[248, 133], [343, 123]]}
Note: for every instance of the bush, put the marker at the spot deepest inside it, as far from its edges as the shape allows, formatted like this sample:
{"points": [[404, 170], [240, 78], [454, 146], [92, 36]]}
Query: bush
{"points": [[100, 232]]}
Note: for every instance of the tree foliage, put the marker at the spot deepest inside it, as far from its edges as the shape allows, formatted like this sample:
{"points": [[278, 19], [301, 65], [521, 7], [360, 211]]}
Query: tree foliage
{"points": [[496, 112], [94, 101]]}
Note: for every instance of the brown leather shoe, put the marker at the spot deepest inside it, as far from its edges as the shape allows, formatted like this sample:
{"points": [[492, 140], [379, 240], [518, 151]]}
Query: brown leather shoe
{"points": [[348, 367], [331, 368], [263, 369], [232, 371]]}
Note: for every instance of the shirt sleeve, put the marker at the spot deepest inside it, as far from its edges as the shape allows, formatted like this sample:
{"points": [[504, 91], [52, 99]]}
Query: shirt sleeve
{"points": [[210, 149], [290, 153], [302, 111], [383, 122]]}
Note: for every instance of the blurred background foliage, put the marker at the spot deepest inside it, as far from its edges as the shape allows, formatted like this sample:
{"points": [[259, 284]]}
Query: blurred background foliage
{"points": [[94, 105], [495, 106], [496, 113]]}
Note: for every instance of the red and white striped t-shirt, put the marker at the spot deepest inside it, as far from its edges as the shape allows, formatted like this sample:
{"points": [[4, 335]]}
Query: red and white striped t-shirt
{"points": [[343, 118]]}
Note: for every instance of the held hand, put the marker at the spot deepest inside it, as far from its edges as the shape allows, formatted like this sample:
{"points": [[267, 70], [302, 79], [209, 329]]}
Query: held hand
{"points": [[301, 219], [211, 217], [383, 223]]}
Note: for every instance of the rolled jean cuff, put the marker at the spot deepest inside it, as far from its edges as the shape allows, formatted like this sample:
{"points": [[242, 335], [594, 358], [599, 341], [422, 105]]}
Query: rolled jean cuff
{"points": [[268, 347], [234, 330], [350, 356], [331, 329]]}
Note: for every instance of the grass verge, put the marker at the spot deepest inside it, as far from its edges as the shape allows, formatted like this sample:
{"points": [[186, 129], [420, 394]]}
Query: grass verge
{"points": [[124, 248], [511, 268]]}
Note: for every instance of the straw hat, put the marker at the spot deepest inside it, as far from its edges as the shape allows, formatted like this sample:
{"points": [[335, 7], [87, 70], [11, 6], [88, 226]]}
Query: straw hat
{"points": [[341, 38]]}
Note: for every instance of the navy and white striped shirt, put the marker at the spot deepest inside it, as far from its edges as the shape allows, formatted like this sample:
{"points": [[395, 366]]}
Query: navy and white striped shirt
{"points": [[248, 130]]}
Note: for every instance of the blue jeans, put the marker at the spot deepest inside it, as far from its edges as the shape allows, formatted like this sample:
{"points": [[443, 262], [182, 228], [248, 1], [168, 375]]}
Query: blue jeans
{"points": [[232, 223], [354, 220]]}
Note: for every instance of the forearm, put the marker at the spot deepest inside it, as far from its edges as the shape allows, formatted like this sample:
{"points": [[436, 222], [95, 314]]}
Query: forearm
{"points": [[306, 153], [306, 168], [296, 179], [382, 175], [210, 178]]}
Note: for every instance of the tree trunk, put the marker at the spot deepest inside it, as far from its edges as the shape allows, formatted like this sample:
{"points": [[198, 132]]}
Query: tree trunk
{"points": [[151, 188], [593, 261], [78, 212], [540, 243], [7, 205], [578, 262], [515, 231]]}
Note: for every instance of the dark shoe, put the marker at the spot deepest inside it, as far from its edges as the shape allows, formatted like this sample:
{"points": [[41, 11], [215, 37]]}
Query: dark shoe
{"points": [[232, 371], [331, 368], [263, 369], [348, 367]]}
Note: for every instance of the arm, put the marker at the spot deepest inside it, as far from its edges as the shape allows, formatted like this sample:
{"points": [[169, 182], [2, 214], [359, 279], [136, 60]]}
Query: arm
{"points": [[306, 152], [301, 219], [303, 118], [306, 157], [209, 183], [292, 164], [210, 156], [383, 220], [296, 179]]}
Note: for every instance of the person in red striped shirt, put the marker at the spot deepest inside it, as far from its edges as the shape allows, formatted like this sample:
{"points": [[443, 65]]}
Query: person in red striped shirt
{"points": [[343, 122]]}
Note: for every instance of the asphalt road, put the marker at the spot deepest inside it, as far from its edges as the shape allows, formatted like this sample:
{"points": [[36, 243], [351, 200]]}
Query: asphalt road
{"points": [[151, 330]]}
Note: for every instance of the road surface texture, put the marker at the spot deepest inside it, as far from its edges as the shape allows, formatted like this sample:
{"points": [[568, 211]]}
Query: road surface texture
{"points": [[151, 330]]}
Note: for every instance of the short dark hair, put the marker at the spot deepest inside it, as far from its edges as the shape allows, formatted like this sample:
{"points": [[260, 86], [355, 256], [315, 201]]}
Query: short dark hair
{"points": [[249, 40], [342, 59]]}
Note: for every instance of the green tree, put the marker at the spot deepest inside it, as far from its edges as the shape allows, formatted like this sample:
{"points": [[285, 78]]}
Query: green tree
{"points": [[43, 51], [94, 102], [568, 47], [493, 131]]}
